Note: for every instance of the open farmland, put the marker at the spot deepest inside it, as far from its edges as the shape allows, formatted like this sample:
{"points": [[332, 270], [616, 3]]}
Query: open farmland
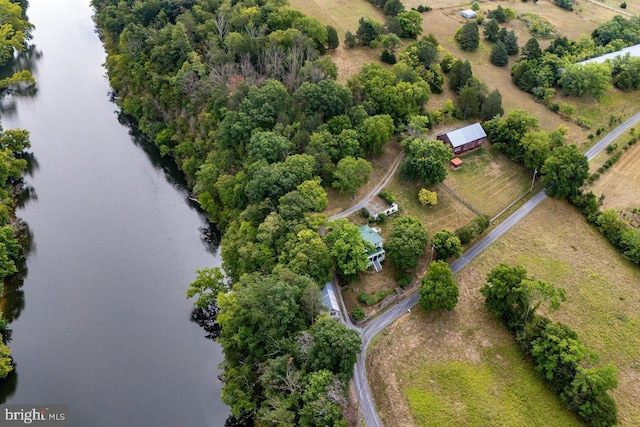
{"points": [[488, 180], [621, 183], [603, 305]]}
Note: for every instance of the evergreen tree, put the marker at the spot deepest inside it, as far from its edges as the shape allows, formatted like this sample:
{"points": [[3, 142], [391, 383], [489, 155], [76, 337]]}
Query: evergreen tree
{"points": [[531, 49], [510, 41], [459, 74], [499, 56], [468, 37], [491, 31], [332, 38]]}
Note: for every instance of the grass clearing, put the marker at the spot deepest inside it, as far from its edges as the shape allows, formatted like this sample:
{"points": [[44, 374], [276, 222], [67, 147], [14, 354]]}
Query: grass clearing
{"points": [[621, 183], [488, 180], [603, 305]]}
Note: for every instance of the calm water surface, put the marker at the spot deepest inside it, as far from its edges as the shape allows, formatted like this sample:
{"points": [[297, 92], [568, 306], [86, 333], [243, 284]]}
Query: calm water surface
{"points": [[105, 326]]}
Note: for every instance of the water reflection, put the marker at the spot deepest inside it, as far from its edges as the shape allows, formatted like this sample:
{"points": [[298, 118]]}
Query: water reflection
{"points": [[24, 60], [12, 302], [210, 235]]}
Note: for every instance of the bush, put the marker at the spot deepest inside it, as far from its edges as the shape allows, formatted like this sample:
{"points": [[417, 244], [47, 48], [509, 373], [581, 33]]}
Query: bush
{"points": [[365, 213], [381, 218], [387, 197], [358, 314], [404, 280], [372, 299], [472, 229], [388, 57], [427, 198], [623, 5], [423, 8]]}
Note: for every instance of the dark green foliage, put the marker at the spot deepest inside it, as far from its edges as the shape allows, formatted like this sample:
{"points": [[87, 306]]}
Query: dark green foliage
{"points": [[468, 37], [565, 4], [334, 348], [491, 30], [564, 172], [358, 314], [557, 352], [406, 243], [438, 290], [387, 197], [619, 28], [393, 7], [388, 57], [332, 38], [472, 229], [347, 248], [510, 41], [426, 161], [492, 106], [422, 8], [373, 299], [506, 133], [368, 30], [365, 213], [446, 244], [459, 74], [623, 5], [350, 39], [531, 49], [498, 14]]}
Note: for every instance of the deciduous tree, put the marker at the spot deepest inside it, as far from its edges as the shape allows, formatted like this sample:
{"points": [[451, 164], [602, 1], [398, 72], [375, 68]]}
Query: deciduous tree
{"points": [[406, 243], [564, 172], [438, 290]]}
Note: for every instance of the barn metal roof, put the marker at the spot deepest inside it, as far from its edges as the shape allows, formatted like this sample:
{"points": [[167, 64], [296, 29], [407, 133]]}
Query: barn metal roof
{"points": [[464, 135], [631, 50]]}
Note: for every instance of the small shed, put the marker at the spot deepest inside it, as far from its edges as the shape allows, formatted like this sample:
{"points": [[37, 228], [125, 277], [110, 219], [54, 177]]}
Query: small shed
{"points": [[469, 14], [456, 163], [464, 139], [330, 301]]}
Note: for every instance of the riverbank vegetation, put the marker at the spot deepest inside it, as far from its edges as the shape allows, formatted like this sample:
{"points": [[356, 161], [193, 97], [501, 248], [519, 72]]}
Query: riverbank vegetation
{"points": [[15, 30], [239, 96]]}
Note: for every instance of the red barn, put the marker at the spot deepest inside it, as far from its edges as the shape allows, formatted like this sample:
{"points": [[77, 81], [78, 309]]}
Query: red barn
{"points": [[464, 139]]}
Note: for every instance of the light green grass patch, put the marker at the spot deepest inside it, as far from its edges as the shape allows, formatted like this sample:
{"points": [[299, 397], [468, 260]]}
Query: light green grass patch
{"points": [[502, 391]]}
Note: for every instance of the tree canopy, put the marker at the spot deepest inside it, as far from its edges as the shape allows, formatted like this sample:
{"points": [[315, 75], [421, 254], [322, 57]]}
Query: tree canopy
{"points": [[438, 290], [406, 243]]}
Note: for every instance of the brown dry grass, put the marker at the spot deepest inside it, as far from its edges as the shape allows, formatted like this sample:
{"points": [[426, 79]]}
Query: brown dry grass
{"points": [[621, 183], [554, 243]]}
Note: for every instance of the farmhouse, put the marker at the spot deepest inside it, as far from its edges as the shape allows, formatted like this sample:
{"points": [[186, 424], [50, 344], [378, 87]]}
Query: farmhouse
{"points": [[464, 139], [377, 254], [330, 301], [469, 14]]}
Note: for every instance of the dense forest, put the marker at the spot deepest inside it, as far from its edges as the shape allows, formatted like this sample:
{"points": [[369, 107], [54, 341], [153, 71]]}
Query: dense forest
{"points": [[15, 30], [240, 96]]}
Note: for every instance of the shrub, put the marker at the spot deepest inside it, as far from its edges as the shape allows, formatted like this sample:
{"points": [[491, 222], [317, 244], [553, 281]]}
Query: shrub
{"points": [[365, 213], [358, 314], [623, 5], [472, 229], [428, 198], [388, 57], [404, 280], [372, 299], [382, 217], [423, 8], [387, 197], [475, 6]]}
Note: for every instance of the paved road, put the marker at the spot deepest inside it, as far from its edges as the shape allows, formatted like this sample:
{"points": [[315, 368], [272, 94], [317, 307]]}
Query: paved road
{"points": [[367, 406], [373, 193]]}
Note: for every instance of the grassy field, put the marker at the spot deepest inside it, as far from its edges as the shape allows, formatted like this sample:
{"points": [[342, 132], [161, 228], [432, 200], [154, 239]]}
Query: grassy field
{"points": [[488, 180], [621, 183], [603, 305]]}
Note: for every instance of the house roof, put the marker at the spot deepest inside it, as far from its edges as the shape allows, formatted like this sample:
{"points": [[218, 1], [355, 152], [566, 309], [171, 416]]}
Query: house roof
{"points": [[456, 161], [464, 135], [329, 298], [631, 50], [370, 235]]}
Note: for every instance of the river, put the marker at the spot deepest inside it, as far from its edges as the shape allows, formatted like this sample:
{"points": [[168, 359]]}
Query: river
{"points": [[105, 326]]}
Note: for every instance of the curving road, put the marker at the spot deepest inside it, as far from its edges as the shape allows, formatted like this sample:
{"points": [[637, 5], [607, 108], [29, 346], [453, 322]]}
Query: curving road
{"points": [[367, 406], [365, 200]]}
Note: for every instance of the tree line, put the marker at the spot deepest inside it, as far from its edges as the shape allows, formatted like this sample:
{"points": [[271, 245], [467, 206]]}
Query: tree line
{"points": [[558, 355], [15, 31], [238, 94]]}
